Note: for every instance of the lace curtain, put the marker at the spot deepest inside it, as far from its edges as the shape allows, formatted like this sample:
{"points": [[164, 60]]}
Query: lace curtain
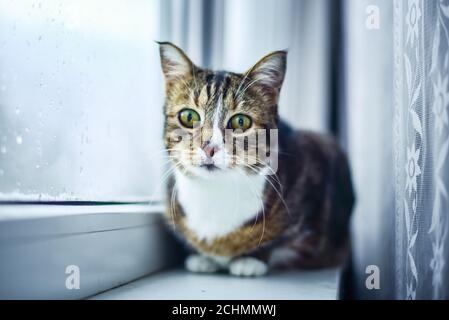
{"points": [[397, 100], [421, 148]]}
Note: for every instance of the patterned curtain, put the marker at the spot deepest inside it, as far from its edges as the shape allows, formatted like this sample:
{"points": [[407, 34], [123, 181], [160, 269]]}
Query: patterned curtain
{"points": [[421, 148]]}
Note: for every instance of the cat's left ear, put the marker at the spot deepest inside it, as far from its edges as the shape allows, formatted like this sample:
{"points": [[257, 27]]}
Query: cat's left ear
{"points": [[175, 63], [270, 70]]}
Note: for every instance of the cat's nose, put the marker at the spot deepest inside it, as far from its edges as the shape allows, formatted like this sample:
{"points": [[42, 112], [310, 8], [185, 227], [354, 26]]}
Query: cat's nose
{"points": [[210, 149]]}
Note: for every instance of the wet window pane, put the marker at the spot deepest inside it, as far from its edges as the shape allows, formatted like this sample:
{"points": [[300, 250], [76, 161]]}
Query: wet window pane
{"points": [[80, 100]]}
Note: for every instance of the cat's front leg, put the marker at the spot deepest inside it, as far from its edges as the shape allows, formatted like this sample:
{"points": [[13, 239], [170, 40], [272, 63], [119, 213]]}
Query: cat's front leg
{"points": [[242, 266], [201, 264], [248, 267]]}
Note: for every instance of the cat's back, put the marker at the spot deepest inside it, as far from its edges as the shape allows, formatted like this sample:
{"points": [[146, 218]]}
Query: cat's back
{"points": [[305, 148], [315, 173], [314, 164]]}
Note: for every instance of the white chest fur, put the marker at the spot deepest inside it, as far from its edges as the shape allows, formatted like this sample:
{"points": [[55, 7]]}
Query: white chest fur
{"points": [[216, 206]]}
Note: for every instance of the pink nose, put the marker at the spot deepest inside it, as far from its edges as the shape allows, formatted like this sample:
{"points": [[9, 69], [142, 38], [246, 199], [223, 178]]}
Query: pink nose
{"points": [[210, 150]]}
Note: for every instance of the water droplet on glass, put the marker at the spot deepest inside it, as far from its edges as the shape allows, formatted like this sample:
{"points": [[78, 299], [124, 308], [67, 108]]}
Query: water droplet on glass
{"points": [[37, 166], [19, 139], [17, 111]]}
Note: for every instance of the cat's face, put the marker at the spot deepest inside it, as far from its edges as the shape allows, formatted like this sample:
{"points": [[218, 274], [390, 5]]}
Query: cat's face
{"points": [[215, 121]]}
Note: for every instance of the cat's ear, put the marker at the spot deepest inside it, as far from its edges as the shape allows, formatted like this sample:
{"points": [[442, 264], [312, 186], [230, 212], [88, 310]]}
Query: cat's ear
{"points": [[270, 70], [175, 63]]}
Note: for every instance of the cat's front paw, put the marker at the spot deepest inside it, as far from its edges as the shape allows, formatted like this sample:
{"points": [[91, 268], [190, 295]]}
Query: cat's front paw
{"points": [[200, 263], [248, 267]]}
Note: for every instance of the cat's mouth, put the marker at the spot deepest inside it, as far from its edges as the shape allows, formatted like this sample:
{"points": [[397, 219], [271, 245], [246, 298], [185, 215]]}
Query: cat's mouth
{"points": [[210, 167]]}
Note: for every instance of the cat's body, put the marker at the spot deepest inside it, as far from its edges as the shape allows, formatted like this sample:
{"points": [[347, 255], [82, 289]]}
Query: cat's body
{"points": [[244, 218]]}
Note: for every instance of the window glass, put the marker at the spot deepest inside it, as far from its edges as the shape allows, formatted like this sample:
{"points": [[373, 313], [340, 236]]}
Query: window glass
{"points": [[80, 100]]}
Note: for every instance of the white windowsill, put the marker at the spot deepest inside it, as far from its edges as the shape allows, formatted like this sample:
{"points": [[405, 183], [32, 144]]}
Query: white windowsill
{"points": [[19, 211], [116, 244], [179, 285], [110, 244]]}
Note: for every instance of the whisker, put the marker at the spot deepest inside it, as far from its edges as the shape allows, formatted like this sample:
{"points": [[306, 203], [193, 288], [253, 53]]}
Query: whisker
{"points": [[274, 176], [172, 205], [275, 189], [164, 178]]}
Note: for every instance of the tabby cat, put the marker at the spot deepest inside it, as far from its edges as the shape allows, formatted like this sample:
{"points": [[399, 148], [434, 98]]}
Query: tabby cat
{"points": [[239, 209]]}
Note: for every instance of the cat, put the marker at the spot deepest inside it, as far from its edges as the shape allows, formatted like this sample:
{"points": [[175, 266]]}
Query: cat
{"points": [[243, 218]]}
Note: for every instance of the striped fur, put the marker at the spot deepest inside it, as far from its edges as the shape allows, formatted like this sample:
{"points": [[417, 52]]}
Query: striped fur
{"points": [[303, 210]]}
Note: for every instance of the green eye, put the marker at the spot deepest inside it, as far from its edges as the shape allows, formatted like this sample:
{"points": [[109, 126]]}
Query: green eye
{"points": [[240, 121], [188, 117]]}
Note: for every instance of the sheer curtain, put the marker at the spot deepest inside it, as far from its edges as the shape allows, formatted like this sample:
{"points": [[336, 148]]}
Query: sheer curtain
{"points": [[397, 102], [422, 148]]}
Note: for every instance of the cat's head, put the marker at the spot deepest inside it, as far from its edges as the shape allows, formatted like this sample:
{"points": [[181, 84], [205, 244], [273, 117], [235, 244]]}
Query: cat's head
{"points": [[215, 121]]}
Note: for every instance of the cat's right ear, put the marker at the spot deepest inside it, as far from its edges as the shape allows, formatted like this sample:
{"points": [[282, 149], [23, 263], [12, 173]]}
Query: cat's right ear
{"points": [[175, 63]]}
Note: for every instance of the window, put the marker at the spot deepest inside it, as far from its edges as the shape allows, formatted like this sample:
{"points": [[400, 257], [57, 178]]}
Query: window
{"points": [[80, 101]]}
